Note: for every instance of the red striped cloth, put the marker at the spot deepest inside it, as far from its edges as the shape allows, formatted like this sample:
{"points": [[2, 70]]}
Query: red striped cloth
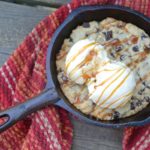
{"points": [[23, 76]]}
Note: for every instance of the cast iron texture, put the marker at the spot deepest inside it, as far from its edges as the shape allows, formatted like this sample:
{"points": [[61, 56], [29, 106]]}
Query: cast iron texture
{"points": [[86, 14], [53, 94]]}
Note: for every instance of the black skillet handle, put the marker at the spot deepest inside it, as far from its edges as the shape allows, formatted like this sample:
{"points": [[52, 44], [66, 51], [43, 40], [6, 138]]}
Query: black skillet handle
{"points": [[16, 113]]}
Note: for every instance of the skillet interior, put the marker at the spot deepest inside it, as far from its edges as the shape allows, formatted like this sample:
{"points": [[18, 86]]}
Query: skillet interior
{"points": [[86, 14]]}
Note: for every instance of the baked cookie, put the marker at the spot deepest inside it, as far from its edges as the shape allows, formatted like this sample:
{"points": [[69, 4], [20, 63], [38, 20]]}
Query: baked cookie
{"points": [[123, 42]]}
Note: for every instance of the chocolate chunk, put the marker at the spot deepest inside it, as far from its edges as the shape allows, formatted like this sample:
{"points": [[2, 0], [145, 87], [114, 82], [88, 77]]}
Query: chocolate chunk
{"points": [[112, 55], [59, 70], [108, 35], [146, 98], [135, 48], [122, 57], [97, 30], [132, 98], [138, 103], [143, 36], [86, 25], [146, 86], [116, 115], [144, 83], [118, 48], [140, 92], [86, 35], [132, 106], [71, 40]]}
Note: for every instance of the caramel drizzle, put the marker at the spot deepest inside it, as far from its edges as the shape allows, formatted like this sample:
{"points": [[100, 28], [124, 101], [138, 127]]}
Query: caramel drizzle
{"points": [[84, 61], [126, 95], [76, 68], [116, 42], [93, 74], [105, 79], [110, 84], [122, 104], [102, 65], [108, 77], [138, 60], [120, 84], [107, 70], [127, 99], [79, 52]]}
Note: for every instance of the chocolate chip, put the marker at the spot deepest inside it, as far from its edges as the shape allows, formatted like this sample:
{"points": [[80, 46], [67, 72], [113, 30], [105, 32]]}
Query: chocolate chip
{"points": [[86, 35], [122, 57], [112, 55], [144, 83], [147, 98], [135, 48], [140, 92], [146, 86], [59, 70], [118, 48], [138, 103], [108, 35], [116, 115], [97, 30], [86, 25], [143, 36], [71, 40], [132, 106]]}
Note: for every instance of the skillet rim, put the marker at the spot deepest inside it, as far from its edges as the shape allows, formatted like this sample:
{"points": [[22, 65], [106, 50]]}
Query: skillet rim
{"points": [[49, 59]]}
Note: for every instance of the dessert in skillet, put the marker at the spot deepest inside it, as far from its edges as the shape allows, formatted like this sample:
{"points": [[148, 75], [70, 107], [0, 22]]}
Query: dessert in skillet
{"points": [[103, 69]]}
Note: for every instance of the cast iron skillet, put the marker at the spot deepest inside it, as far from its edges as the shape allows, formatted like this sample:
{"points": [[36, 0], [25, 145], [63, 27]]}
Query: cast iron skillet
{"points": [[52, 93]]}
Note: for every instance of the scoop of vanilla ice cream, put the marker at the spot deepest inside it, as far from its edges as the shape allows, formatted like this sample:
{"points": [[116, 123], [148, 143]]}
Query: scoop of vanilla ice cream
{"points": [[110, 83], [113, 85], [82, 60]]}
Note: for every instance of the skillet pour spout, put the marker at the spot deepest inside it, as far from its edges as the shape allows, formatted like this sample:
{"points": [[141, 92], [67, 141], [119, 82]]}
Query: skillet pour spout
{"points": [[52, 93]]}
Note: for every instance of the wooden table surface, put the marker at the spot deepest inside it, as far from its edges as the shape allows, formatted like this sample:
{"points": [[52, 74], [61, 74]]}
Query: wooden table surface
{"points": [[16, 21]]}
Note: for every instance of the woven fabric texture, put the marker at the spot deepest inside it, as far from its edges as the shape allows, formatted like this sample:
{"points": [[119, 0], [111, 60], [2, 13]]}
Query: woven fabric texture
{"points": [[23, 76]]}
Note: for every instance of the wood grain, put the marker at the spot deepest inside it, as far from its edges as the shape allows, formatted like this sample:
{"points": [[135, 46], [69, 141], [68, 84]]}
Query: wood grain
{"points": [[16, 22], [48, 3], [54, 2], [89, 137]]}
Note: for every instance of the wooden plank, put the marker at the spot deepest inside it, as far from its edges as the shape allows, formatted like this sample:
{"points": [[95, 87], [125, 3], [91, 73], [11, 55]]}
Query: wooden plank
{"points": [[15, 22], [89, 137], [49, 3], [55, 3]]}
